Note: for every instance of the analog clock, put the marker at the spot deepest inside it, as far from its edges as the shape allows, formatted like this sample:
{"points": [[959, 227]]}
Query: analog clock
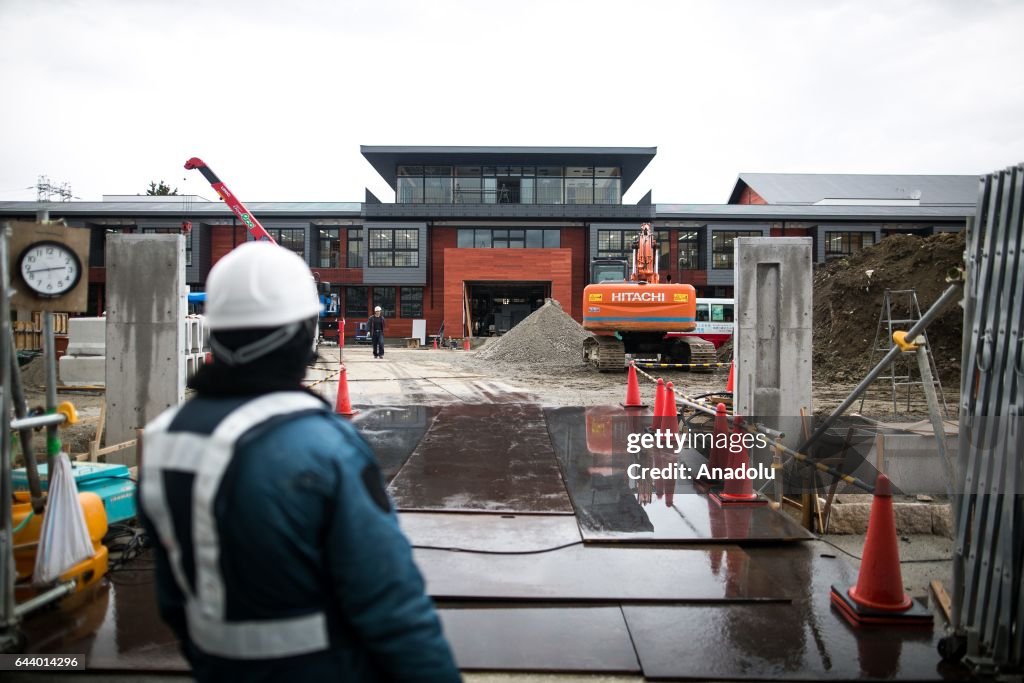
{"points": [[50, 268]]}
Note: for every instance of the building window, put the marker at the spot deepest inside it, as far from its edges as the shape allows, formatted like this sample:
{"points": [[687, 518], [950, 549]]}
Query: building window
{"points": [[356, 302], [355, 248], [174, 231], [507, 184], [688, 245], [508, 238], [394, 248], [293, 239], [385, 298], [615, 243], [328, 247], [722, 246], [411, 302], [847, 243], [664, 249]]}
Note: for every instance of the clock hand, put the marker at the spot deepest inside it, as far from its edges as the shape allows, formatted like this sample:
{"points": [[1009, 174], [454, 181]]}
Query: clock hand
{"points": [[43, 270]]}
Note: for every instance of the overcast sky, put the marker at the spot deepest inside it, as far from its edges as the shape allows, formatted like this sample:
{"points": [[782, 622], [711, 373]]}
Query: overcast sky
{"points": [[277, 96]]}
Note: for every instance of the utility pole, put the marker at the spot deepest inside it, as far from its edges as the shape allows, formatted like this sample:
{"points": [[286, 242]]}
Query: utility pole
{"points": [[46, 191]]}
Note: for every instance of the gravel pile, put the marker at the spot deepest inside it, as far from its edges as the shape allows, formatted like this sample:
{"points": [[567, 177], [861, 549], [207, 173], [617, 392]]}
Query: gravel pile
{"points": [[549, 336]]}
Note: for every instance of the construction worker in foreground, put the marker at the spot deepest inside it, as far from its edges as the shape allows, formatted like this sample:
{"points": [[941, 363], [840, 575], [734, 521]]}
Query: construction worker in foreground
{"points": [[278, 556]]}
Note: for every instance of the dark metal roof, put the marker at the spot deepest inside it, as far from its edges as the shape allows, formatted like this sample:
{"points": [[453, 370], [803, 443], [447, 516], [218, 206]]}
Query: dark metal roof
{"points": [[810, 188], [385, 159], [177, 208], [814, 213]]}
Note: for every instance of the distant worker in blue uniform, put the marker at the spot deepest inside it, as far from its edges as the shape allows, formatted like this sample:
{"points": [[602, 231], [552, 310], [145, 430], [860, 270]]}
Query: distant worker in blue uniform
{"points": [[376, 323], [278, 555]]}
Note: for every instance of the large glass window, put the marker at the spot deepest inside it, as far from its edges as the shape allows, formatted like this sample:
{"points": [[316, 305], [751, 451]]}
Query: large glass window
{"points": [[549, 190], [437, 184], [688, 246], [509, 238], [615, 243], [174, 231], [722, 246], [328, 247], [721, 313], [394, 248], [356, 302], [844, 243], [293, 239], [410, 302], [507, 184], [355, 248], [664, 248], [385, 298], [607, 185]]}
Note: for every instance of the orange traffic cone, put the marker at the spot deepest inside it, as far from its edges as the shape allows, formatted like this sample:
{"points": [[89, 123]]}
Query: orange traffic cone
{"points": [[718, 454], [878, 597], [435, 343], [669, 411], [659, 403], [633, 390], [343, 406], [739, 490], [731, 382], [465, 344]]}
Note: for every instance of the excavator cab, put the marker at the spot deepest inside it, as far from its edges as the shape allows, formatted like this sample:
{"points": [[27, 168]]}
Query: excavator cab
{"points": [[608, 270]]}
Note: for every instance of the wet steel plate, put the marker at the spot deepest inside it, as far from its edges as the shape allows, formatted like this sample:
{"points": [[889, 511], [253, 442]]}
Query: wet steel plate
{"points": [[600, 575], [611, 506], [487, 458], [806, 639], [576, 639], [116, 627], [484, 532], [393, 432]]}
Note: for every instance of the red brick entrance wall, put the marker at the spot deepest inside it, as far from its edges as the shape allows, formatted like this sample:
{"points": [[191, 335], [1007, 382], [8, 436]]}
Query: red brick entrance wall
{"points": [[503, 265]]}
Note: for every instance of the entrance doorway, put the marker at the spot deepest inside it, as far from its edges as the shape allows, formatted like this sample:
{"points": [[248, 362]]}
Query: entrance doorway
{"points": [[497, 307]]}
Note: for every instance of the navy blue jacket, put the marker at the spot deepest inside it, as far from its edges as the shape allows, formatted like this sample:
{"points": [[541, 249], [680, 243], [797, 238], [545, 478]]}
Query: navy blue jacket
{"points": [[304, 521]]}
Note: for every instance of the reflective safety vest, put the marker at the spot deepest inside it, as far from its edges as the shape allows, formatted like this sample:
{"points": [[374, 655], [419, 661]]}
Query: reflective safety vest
{"points": [[207, 456]]}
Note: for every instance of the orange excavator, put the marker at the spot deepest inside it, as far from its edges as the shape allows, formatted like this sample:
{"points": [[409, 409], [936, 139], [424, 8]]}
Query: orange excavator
{"points": [[629, 310]]}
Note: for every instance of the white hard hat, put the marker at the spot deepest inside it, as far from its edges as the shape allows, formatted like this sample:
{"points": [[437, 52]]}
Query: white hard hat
{"points": [[259, 284], [376, 308]]}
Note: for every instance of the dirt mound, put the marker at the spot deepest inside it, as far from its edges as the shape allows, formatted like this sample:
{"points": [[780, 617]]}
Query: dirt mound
{"points": [[848, 296], [33, 374], [549, 336], [724, 352]]}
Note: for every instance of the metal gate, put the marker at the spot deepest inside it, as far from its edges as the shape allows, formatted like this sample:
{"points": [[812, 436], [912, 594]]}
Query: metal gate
{"points": [[988, 600]]}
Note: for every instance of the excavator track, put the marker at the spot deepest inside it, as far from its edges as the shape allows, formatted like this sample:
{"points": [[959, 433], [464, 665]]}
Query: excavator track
{"points": [[701, 351], [607, 354]]}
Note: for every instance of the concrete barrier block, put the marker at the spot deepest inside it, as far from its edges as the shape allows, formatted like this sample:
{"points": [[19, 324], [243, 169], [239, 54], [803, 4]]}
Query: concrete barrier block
{"points": [[82, 370], [87, 330], [87, 349]]}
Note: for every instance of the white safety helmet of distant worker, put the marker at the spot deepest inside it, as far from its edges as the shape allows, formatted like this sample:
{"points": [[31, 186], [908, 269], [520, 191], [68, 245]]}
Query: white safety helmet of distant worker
{"points": [[376, 308], [259, 284]]}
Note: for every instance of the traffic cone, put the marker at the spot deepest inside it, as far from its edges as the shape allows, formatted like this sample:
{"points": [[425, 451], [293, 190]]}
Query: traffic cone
{"points": [[343, 406], [739, 490], [465, 344], [731, 382], [633, 389], [878, 597], [718, 454], [669, 410], [659, 403], [435, 343]]}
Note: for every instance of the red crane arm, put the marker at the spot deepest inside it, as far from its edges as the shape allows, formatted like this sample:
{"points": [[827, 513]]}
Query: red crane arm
{"points": [[237, 207]]}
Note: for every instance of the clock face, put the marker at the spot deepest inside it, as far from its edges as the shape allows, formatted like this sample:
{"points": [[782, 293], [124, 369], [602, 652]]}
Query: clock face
{"points": [[50, 268]]}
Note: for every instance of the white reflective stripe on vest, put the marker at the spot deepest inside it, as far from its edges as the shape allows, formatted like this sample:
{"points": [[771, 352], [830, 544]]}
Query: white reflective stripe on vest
{"points": [[209, 457]]}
